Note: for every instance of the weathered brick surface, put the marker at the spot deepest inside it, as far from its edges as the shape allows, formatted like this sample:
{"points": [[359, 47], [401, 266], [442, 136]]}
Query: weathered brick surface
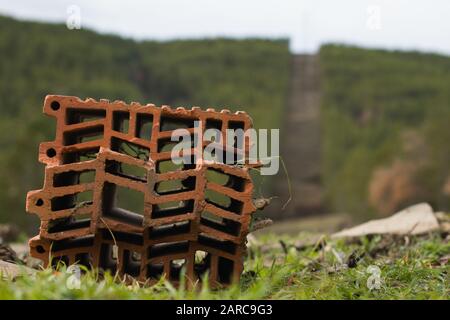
{"points": [[188, 218]]}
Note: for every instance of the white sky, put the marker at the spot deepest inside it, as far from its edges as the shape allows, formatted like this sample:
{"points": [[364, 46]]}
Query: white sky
{"points": [[394, 24]]}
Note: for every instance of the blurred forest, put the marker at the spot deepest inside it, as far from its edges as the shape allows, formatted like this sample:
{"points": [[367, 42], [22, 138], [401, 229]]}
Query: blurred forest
{"points": [[385, 115], [386, 133], [37, 59]]}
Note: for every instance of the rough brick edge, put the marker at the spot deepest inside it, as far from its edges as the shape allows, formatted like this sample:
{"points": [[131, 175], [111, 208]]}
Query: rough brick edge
{"points": [[65, 102]]}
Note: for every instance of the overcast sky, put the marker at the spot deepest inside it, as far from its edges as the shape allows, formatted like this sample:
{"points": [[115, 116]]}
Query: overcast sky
{"points": [[394, 24]]}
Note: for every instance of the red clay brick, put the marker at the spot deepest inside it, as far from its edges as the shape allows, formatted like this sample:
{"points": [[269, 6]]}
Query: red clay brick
{"points": [[95, 141]]}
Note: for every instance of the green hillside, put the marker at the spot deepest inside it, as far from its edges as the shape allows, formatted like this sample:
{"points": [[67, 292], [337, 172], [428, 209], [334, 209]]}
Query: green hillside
{"points": [[389, 110], [37, 59]]}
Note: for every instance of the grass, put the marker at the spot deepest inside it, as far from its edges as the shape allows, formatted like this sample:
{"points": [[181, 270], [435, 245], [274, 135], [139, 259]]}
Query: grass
{"points": [[282, 267]]}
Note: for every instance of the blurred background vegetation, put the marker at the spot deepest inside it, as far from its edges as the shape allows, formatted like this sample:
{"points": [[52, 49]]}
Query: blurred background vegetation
{"points": [[385, 115], [386, 134]]}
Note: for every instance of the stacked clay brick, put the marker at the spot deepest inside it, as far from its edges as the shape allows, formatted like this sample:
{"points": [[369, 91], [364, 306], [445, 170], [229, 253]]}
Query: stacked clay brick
{"points": [[193, 216]]}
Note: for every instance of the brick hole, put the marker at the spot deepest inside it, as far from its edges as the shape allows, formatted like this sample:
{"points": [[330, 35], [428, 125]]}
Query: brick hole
{"points": [[71, 178], [55, 105], [216, 176], [236, 183], [130, 149], [167, 249], [130, 238], [108, 257], [40, 249], [238, 141], [167, 145], [121, 121], [51, 153], [123, 204], [80, 155], [172, 208], [168, 166], [75, 116], [172, 229], [82, 242], [39, 202], [175, 269], [221, 156], [60, 261], [84, 259], [211, 217], [213, 135], [83, 135], [72, 201], [144, 126], [87, 176], [189, 162], [237, 126], [131, 263], [217, 198], [171, 123], [202, 262], [164, 166], [175, 186], [225, 270], [223, 245], [215, 154], [213, 221], [126, 170], [155, 270], [72, 223], [222, 201], [213, 124], [233, 158], [226, 180]]}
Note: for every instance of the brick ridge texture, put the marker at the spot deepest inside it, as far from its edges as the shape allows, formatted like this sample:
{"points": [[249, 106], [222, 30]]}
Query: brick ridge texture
{"points": [[193, 216]]}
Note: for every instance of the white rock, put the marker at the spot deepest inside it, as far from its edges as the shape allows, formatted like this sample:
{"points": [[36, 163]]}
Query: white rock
{"points": [[414, 220]]}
